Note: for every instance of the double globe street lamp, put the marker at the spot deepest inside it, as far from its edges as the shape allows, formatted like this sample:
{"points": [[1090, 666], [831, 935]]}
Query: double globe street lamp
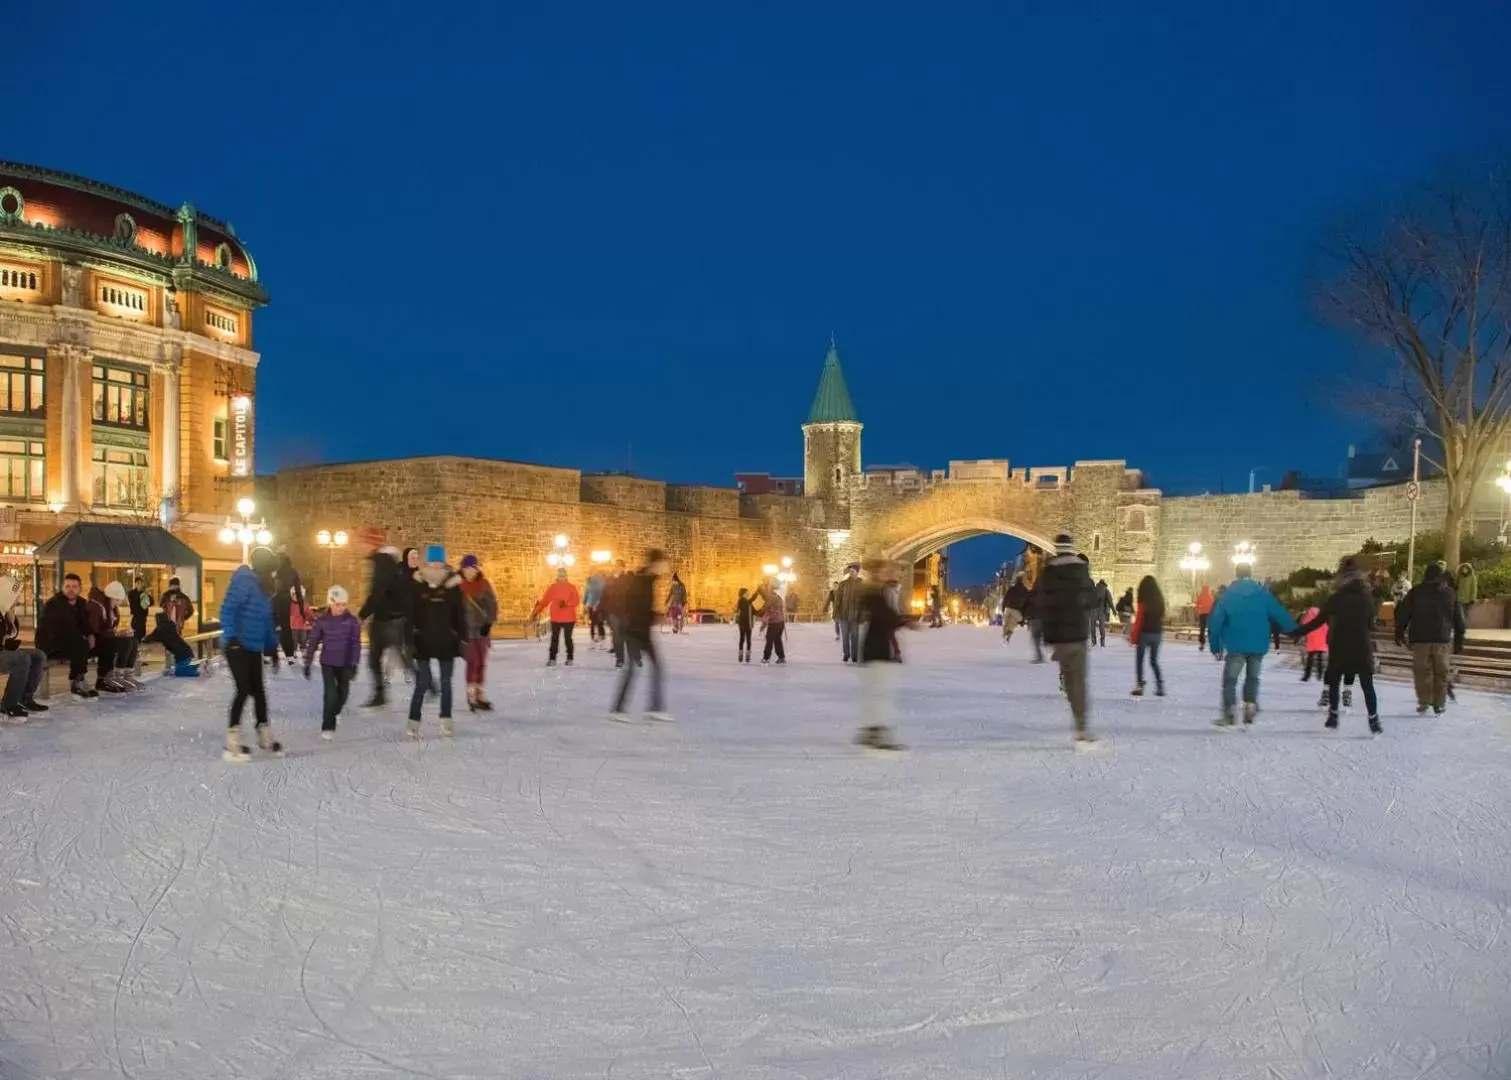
{"points": [[560, 557], [1195, 563], [246, 531], [330, 541]]}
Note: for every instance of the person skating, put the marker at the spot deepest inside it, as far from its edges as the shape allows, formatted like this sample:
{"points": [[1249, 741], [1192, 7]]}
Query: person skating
{"points": [[63, 633], [388, 604], [338, 635], [177, 605], [639, 616], [482, 612], [1316, 652], [1430, 619], [1239, 634], [1349, 615], [247, 628], [102, 616], [1147, 633], [878, 653], [615, 591], [592, 602], [438, 623], [288, 594], [301, 621], [676, 604], [409, 566], [560, 603], [1101, 609], [24, 668], [744, 622], [1015, 603], [1031, 619], [773, 616], [1067, 599], [1127, 609], [847, 614], [1205, 601]]}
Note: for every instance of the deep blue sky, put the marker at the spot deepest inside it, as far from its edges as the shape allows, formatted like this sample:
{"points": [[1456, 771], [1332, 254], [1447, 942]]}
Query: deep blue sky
{"points": [[1039, 231]]}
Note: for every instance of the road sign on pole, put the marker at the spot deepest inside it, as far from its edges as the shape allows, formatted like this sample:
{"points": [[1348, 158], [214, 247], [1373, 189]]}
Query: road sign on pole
{"points": [[1413, 491]]}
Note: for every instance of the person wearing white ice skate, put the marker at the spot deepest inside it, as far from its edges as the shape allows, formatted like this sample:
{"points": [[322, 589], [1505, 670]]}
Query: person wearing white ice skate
{"points": [[482, 613], [246, 624], [1240, 631], [1349, 615], [1067, 601], [876, 655], [639, 616], [438, 625]]}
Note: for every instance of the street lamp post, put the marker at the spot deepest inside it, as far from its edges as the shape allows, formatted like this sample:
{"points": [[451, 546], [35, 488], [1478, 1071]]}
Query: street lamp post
{"points": [[1243, 553], [330, 541], [1503, 481], [246, 531], [1194, 563], [560, 555]]}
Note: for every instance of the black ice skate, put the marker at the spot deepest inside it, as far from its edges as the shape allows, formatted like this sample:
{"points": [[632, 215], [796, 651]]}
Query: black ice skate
{"points": [[1332, 720], [877, 737], [1374, 725]]}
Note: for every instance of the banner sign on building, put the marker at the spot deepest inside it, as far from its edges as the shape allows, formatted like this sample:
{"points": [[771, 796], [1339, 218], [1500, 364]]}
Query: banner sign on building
{"points": [[241, 435]]}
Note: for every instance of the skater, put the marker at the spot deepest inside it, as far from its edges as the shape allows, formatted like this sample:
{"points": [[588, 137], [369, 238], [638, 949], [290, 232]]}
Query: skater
{"points": [[23, 668], [165, 633], [301, 621], [102, 623], [878, 653], [744, 621], [614, 595], [1430, 618], [592, 602], [409, 566], [1349, 615], [177, 605], [1127, 609], [1101, 607], [1146, 633], [773, 616], [676, 604], [1031, 617], [847, 614], [63, 633], [1014, 608], [389, 593], [288, 594], [438, 632], [1205, 601], [246, 621], [1239, 634], [560, 601], [1067, 600], [638, 618], [338, 636], [482, 612], [1316, 651]]}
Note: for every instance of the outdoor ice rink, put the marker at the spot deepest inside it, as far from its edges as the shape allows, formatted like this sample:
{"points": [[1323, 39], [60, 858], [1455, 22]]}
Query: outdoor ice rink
{"points": [[745, 895]]}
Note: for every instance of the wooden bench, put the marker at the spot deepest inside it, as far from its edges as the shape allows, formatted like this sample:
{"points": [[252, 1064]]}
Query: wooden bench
{"points": [[206, 646]]}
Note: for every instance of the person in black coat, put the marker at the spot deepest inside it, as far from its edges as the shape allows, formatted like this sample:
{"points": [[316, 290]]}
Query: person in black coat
{"points": [[1014, 607], [639, 616], [1067, 598], [288, 593], [1430, 618], [138, 600], [388, 604], [1349, 615], [438, 631], [877, 654], [63, 632], [744, 622]]}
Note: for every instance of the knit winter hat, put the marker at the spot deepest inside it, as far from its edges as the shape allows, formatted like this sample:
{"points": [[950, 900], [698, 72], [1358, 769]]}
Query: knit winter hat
{"points": [[116, 591], [335, 595], [1065, 545], [435, 553], [470, 562]]}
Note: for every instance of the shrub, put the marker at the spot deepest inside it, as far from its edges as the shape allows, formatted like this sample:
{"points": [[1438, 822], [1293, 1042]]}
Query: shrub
{"points": [[1495, 581]]}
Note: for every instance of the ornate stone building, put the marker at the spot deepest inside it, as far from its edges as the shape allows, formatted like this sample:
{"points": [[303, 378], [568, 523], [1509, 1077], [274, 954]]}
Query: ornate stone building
{"points": [[127, 368]]}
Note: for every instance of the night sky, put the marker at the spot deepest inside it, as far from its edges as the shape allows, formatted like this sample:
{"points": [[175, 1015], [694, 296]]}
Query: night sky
{"points": [[604, 235]]}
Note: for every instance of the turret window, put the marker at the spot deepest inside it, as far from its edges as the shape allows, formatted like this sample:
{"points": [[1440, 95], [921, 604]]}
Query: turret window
{"points": [[122, 298], [14, 278], [220, 320]]}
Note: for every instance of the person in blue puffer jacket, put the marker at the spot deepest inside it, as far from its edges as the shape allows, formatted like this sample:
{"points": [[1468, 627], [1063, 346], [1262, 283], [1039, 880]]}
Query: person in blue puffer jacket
{"points": [[1240, 628], [248, 633]]}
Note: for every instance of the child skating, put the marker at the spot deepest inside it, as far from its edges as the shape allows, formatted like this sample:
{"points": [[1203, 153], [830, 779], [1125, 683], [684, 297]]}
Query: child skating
{"points": [[338, 636], [744, 622]]}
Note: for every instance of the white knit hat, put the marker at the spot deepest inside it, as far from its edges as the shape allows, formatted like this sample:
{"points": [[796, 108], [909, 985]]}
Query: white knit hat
{"points": [[1064, 545], [335, 595], [116, 591]]}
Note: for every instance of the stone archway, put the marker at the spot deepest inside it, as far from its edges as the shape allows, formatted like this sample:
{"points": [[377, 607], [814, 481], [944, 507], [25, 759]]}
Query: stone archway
{"points": [[941, 535]]}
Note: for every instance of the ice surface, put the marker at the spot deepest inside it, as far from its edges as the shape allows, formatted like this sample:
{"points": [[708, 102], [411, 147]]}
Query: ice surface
{"points": [[743, 894]]}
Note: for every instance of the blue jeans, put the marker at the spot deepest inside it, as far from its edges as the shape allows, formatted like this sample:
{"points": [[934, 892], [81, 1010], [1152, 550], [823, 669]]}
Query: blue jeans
{"points": [[849, 636], [424, 679], [1148, 645], [1248, 663]]}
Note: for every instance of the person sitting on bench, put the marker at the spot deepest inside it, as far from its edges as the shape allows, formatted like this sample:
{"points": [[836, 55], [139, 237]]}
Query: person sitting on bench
{"points": [[24, 668], [63, 632], [166, 634]]}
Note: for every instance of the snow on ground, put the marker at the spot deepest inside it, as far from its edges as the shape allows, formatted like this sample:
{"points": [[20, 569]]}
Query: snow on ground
{"points": [[745, 895]]}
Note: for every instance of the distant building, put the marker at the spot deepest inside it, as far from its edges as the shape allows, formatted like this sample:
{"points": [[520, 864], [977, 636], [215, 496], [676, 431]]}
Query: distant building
{"points": [[766, 484]]}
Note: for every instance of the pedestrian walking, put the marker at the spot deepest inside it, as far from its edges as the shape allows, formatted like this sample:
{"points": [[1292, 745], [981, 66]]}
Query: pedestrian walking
{"points": [[1431, 620], [481, 604], [388, 604], [639, 616], [337, 634], [439, 634], [1147, 633], [1067, 599], [744, 623], [248, 633], [1239, 634], [560, 604], [1349, 615], [878, 652]]}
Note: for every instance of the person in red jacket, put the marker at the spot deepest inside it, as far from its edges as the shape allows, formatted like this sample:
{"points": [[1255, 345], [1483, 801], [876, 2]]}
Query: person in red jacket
{"points": [[560, 601], [1205, 602]]}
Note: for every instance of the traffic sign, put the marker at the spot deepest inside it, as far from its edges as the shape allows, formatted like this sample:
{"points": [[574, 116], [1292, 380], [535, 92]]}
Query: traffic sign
{"points": [[1413, 491]]}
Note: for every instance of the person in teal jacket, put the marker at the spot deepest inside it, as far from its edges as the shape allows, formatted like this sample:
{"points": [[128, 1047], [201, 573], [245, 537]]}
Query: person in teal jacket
{"points": [[1240, 628]]}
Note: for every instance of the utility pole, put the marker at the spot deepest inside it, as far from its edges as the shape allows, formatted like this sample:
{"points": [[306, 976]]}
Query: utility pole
{"points": [[1414, 493]]}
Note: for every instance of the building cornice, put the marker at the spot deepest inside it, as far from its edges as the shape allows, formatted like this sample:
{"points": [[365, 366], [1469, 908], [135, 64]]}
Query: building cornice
{"points": [[162, 347]]}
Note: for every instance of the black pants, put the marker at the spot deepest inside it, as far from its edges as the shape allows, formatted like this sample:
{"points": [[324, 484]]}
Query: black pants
{"points": [[338, 683], [104, 656], [246, 670], [638, 645], [1201, 630], [1366, 684], [774, 641], [561, 630], [744, 646], [1317, 661], [596, 631], [77, 657], [385, 634], [281, 616]]}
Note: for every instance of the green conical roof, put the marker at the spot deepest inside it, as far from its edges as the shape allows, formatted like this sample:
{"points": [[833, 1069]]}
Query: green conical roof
{"points": [[831, 405]]}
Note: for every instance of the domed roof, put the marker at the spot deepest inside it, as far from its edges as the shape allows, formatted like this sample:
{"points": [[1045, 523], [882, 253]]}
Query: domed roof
{"points": [[43, 206]]}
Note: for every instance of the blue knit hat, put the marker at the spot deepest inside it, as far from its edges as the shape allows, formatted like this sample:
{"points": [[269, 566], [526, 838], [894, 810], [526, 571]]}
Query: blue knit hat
{"points": [[471, 561], [435, 553]]}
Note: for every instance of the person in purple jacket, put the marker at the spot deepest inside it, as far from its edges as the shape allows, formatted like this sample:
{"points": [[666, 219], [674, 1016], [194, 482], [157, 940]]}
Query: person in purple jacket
{"points": [[338, 634]]}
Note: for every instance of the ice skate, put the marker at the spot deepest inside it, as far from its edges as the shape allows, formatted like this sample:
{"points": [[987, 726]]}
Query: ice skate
{"points": [[16, 712], [327, 734], [33, 705], [551, 662], [1137, 691], [1348, 699], [1374, 726], [569, 662], [447, 729], [1085, 740], [482, 704], [412, 731], [78, 689], [619, 717], [1159, 689], [1438, 710], [1332, 721], [234, 750], [377, 701], [1225, 722], [659, 717], [877, 737], [1322, 701], [1423, 709], [266, 742], [1250, 710], [107, 686]]}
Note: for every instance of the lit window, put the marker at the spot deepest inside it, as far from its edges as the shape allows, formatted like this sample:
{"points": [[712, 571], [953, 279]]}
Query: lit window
{"points": [[21, 387], [120, 397], [22, 470], [220, 439], [120, 477]]}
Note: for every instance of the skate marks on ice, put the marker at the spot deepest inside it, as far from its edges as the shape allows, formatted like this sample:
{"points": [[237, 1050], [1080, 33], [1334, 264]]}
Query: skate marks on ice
{"points": [[744, 894]]}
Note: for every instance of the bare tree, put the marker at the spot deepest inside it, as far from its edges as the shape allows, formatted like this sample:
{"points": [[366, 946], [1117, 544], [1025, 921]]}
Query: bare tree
{"points": [[1431, 285]]}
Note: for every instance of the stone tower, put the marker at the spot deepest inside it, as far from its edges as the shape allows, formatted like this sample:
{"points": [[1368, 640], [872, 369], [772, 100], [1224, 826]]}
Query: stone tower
{"points": [[831, 443]]}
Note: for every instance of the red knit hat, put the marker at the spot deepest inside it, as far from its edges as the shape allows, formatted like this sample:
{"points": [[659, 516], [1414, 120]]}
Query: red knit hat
{"points": [[371, 536]]}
